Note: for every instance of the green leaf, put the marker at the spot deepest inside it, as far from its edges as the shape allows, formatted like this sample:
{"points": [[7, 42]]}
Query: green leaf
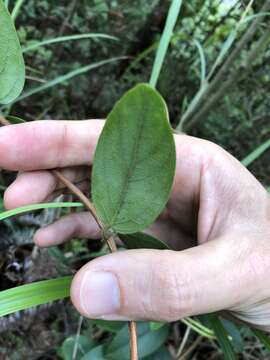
{"points": [[15, 119], [142, 241], [165, 40], [234, 332], [84, 345], [161, 354], [154, 325], [222, 336], [35, 45], [95, 354], [27, 208], [111, 326], [254, 155], [264, 339], [38, 293], [148, 342], [130, 186], [12, 71]]}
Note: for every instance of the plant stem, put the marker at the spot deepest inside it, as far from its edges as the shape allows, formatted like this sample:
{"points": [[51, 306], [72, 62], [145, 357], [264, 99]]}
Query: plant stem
{"points": [[133, 340], [110, 241], [16, 9], [76, 191]]}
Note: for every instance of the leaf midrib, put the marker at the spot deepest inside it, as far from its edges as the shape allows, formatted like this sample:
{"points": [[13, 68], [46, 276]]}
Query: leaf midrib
{"points": [[129, 172]]}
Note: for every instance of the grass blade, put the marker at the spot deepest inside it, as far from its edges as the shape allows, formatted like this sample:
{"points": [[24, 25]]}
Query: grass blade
{"points": [[165, 40], [222, 337], [264, 339], [66, 77], [223, 52], [254, 155], [59, 39], [29, 295], [16, 9], [202, 60], [24, 209], [198, 328]]}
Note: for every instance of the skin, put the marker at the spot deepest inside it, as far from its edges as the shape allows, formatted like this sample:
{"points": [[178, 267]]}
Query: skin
{"points": [[218, 216]]}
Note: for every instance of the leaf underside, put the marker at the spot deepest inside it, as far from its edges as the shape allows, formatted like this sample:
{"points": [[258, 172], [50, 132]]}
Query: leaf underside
{"points": [[12, 70], [134, 163], [142, 241]]}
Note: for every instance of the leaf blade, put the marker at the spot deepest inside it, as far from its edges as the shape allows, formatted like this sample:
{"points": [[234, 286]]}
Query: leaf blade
{"points": [[29, 295], [129, 184], [12, 71], [222, 337], [142, 241]]}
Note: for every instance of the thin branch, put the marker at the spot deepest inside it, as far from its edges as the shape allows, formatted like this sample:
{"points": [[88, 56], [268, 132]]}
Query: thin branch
{"points": [[133, 340], [191, 348], [76, 191], [183, 342]]}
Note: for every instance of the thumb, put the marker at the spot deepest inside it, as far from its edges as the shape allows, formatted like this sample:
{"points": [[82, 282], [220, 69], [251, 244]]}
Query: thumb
{"points": [[158, 285]]}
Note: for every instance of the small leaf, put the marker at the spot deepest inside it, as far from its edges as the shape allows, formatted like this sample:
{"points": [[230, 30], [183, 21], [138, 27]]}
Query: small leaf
{"points": [[12, 71], [154, 325], [134, 163], [15, 119], [142, 241], [111, 326]]}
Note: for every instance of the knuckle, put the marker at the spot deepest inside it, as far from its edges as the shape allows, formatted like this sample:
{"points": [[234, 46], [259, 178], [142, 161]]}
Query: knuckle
{"points": [[174, 298]]}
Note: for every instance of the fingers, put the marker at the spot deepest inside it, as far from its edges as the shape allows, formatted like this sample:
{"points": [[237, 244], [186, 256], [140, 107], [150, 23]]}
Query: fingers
{"points": [[48, 144], [160, 285], [38, 186], [79, 225]]}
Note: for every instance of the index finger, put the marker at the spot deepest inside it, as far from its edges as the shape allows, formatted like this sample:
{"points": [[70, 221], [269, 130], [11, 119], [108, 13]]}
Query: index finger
{"points": [[48, 144]]}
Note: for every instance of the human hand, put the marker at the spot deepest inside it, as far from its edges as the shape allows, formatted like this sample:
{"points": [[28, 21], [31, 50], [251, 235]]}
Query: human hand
{"points": [[215, 204]]}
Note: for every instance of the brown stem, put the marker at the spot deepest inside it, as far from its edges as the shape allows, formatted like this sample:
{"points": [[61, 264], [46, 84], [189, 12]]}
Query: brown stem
{"points": [[133, 340], [76, 191], [132, 324], [110, 241]]}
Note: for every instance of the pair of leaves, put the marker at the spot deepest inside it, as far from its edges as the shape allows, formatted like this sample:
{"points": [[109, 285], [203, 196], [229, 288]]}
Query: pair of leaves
{"points": [[12, 70]]}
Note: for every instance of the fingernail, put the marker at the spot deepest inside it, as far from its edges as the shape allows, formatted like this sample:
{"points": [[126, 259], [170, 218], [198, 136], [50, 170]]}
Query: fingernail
{"points": [[100, 294]]}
